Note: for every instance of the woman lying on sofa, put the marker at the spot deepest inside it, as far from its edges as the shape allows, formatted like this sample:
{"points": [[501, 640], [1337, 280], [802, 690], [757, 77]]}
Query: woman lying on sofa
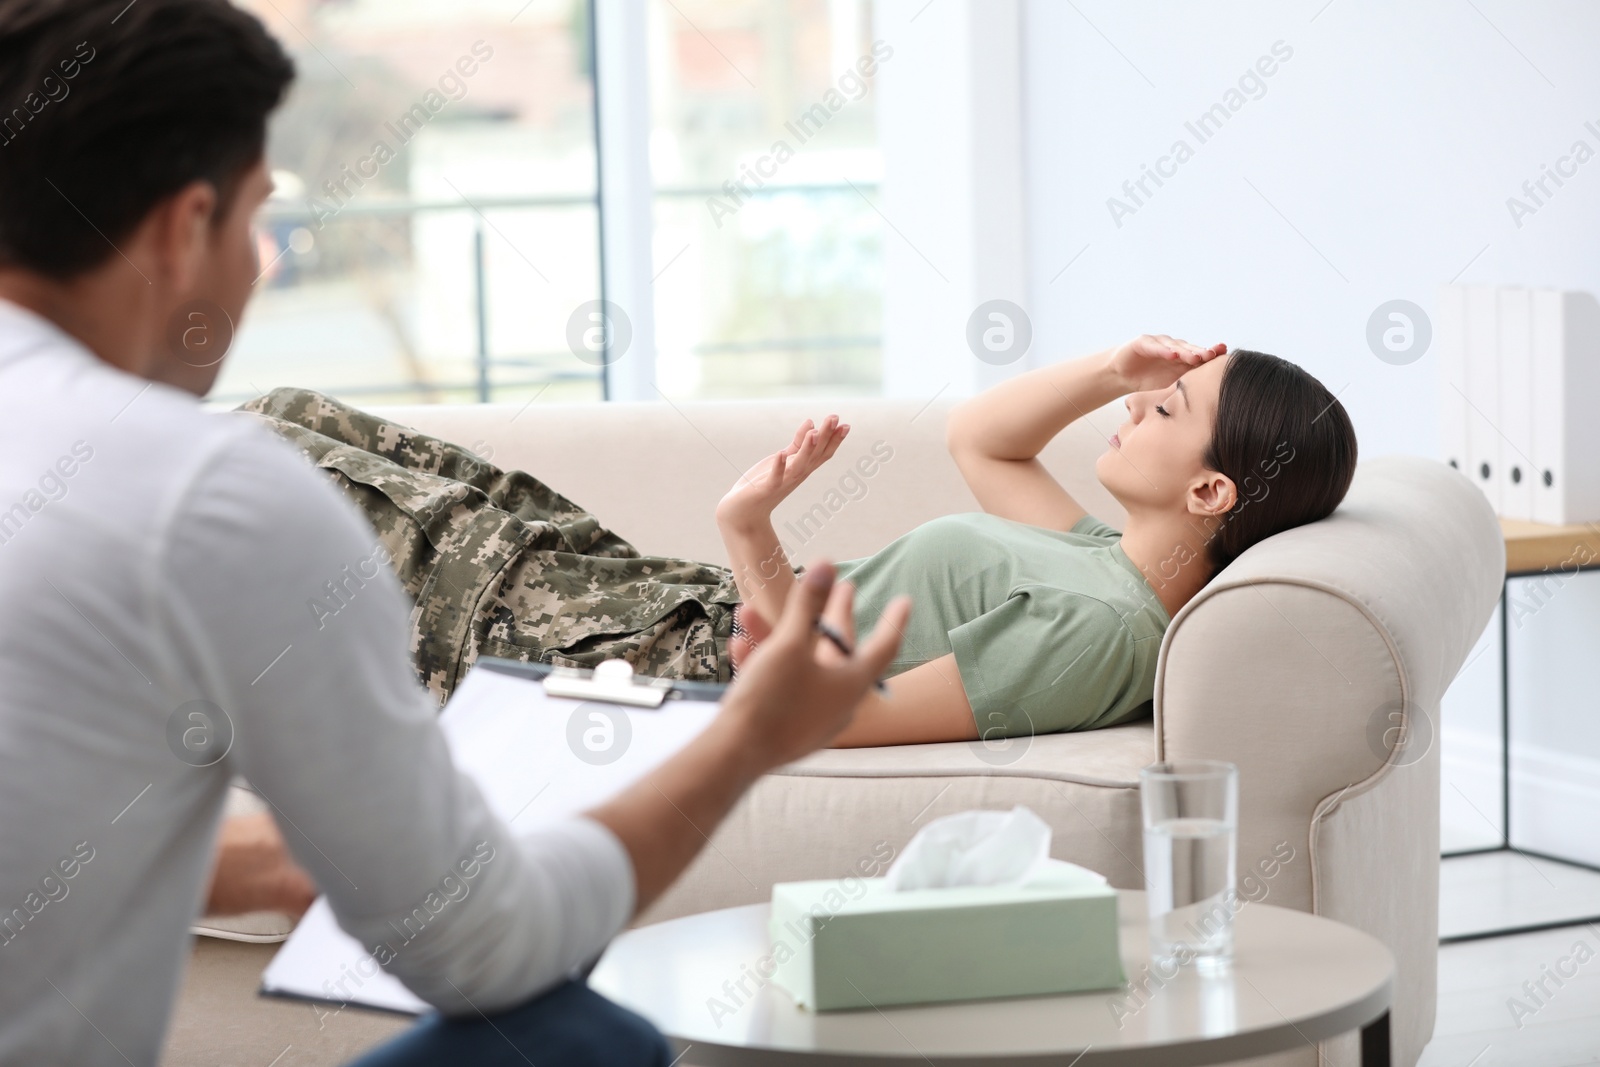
{"points": [[1031, 617]]}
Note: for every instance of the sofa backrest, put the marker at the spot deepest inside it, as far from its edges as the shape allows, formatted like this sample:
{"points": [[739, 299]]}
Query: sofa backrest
{"points": [[653, 473]]}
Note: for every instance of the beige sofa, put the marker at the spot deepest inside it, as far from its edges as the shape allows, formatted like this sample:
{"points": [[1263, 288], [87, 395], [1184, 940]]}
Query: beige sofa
{"points": [[1295, 663]]}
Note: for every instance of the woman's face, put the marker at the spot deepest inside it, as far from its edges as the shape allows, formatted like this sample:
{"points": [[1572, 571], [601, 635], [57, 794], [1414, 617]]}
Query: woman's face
{"points": [[1157, 457]]}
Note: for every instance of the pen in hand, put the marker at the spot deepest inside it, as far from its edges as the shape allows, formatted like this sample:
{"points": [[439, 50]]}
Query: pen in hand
{"points": [[836, 638]]}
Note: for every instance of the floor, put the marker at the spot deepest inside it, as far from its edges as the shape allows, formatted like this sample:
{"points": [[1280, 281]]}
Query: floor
{"points": [[1495, 890], [220, 1019], [1487, 1017]]}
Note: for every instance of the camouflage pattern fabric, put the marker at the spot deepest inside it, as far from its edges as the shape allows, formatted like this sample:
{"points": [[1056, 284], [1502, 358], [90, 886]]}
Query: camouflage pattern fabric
{"points": [[499, 564]]}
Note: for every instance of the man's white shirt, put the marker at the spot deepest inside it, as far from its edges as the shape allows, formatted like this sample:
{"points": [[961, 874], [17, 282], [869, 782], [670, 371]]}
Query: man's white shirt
{"points": [[156, 566]]}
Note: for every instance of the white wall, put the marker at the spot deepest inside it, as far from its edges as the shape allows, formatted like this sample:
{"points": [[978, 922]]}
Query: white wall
{"points": [[951, 133], [1390, 139]]}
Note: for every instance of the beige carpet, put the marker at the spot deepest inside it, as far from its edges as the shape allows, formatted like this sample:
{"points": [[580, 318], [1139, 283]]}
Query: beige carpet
{"points": [[220, 1020]]}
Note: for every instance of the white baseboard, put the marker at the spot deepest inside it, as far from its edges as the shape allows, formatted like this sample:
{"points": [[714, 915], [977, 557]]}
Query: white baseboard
{"points": [[1469, 790], [1555, 803], [1555, 797]]}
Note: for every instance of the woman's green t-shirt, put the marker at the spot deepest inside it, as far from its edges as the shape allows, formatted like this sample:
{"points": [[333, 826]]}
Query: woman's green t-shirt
{"points": [[1051, 630]]}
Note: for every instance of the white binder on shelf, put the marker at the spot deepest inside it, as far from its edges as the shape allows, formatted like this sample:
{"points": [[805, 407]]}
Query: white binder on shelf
{"points": [[1514, 343], [1565, 350], [519, 741], [1450, 330], [1483, 391]]}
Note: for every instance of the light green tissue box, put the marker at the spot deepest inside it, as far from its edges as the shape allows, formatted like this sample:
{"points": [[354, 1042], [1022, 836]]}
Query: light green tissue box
{"points": [[839, 945]]}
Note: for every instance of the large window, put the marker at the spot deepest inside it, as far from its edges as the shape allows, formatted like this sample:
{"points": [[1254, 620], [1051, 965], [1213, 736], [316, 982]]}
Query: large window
{"points": [[764, 152], [436, 220]]}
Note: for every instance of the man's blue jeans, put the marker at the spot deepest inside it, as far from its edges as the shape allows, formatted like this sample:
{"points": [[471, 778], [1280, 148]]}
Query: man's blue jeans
{"points": [[569, 1026]]}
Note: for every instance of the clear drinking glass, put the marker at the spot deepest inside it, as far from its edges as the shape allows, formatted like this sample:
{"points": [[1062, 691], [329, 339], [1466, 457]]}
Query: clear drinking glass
{"points": [[1191, 824]]}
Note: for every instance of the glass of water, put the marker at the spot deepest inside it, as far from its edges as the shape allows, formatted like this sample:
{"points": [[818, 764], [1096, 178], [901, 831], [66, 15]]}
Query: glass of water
{"points": [[1191, 829]]}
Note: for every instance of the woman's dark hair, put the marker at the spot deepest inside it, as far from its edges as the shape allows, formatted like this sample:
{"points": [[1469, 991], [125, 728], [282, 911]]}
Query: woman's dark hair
{"points": [[1286, 442], [107, 108]]}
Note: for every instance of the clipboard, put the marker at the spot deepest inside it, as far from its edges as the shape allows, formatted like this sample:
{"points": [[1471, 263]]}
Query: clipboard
{"points": [[613, 681], [542, 744]]}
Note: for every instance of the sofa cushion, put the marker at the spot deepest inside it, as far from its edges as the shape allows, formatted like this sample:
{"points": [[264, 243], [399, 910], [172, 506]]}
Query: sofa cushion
{"points": [[1109, 757], [848, 812]]}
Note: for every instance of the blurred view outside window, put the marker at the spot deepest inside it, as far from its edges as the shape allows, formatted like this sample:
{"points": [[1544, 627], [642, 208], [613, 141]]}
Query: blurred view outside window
{"points": [[435, 220], [435, 223], [764, 153]]}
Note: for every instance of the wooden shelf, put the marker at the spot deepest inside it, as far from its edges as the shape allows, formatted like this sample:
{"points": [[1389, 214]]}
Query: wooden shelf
{"points": [[1533, 547]]}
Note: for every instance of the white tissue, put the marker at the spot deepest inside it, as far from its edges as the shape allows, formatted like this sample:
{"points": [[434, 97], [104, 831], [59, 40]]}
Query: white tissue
{"points": [[973, 848]]}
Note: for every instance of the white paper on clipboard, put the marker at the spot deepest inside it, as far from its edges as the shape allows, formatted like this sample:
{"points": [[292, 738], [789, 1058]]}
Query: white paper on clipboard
{"points": [[512, 738]]}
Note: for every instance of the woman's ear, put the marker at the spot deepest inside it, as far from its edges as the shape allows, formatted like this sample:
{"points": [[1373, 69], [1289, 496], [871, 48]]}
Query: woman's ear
{"points": [[1213, 495]]}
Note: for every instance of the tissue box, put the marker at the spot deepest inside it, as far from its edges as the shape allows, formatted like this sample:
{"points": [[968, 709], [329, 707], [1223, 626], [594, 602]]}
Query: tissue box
{"points": [[872, 947]]}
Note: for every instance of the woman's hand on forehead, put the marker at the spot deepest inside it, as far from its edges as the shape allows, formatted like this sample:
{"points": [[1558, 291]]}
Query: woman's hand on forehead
{"points": [[1156, 360]]}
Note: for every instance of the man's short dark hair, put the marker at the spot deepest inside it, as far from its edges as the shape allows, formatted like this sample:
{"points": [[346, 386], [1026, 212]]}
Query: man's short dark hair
{"points": [[107, 108]]}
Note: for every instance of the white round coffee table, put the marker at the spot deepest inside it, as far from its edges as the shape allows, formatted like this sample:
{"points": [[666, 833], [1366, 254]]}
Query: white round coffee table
{"points": [[1296, 979]]}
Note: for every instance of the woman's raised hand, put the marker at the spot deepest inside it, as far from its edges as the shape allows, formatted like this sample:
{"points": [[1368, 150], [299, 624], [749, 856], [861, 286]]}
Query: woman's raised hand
{"points": [[764, 486], [1155, 361]]}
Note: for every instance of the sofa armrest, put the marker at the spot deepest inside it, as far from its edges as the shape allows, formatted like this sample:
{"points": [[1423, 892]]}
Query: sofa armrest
{"points": [[1316, 662], [1294, 658]]}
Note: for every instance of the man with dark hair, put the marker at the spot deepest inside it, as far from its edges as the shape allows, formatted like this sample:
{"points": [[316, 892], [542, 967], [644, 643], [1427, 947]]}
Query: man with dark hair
{"points": [[155, 564]]}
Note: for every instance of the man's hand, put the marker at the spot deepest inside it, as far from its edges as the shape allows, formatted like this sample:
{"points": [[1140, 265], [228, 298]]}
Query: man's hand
{"points": [[796, 692], [754, 629], [254, 872], [1155, 361], [764, 486]]}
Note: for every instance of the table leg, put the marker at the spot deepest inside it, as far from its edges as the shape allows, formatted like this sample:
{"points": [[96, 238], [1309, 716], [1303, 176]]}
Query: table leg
{"points": [[1505, 714], [1375, 1042]]}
